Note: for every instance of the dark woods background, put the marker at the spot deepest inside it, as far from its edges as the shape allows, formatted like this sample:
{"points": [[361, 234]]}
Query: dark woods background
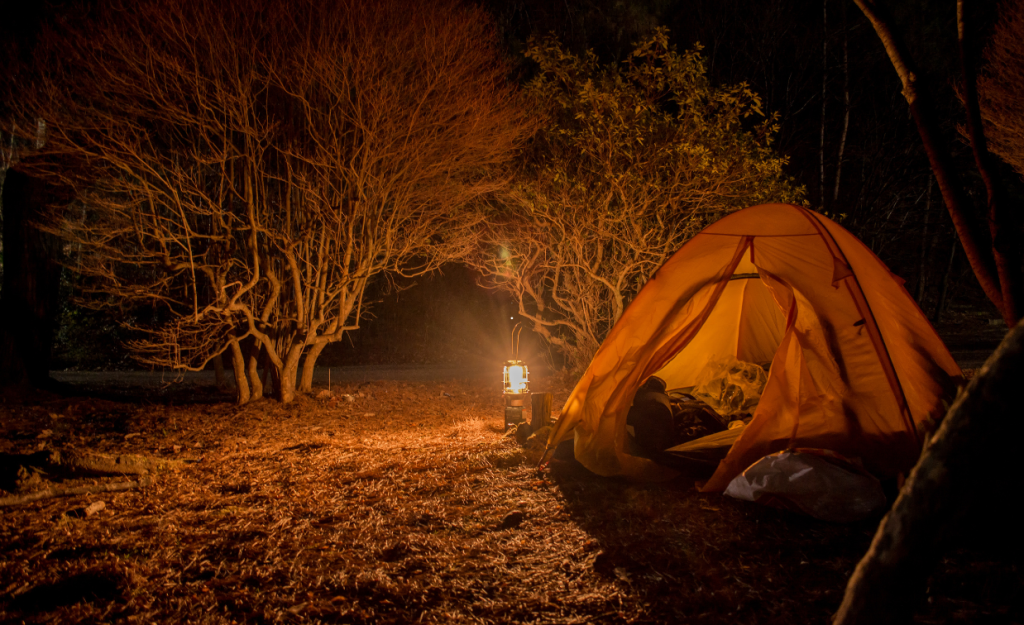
{"points": [[818, 66], [843, 122]]}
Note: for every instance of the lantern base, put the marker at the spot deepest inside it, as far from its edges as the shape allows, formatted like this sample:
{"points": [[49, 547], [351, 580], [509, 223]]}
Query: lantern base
{"points": [[513, 416]]}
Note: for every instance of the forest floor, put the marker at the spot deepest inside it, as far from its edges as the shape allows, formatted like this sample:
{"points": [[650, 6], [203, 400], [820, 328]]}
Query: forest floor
{"points": [[405, 502]]}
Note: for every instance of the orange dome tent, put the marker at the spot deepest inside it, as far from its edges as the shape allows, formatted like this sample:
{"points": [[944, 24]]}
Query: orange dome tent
{"points": [[856, 368]]}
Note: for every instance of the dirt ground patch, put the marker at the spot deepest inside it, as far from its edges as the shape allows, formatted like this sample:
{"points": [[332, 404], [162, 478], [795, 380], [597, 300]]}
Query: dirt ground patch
{"points": [[404, 502]]}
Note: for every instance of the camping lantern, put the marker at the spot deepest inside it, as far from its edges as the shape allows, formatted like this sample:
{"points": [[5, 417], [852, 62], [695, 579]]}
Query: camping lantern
{"points": [[517, 377], [515, 383], [516, 388]]}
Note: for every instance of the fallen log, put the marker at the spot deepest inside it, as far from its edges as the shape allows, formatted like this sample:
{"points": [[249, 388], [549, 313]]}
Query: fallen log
{"points": [[70, 462], [21, 471], [48, 493], [971, 450], [80, 461]]}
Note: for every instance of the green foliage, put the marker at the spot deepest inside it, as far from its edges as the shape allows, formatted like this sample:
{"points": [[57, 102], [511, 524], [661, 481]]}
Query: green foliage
{"points": [[635, 159], [649, 118]]}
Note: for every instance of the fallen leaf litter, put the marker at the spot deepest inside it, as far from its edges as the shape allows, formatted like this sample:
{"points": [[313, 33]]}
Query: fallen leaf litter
{"points": [[407, 503]]}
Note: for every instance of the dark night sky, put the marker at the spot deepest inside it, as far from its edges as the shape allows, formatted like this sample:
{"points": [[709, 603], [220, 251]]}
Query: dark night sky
{"points": [[775, 45]]}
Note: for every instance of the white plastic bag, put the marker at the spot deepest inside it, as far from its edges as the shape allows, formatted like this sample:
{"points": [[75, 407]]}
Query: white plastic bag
{"points": [[730, 386], [808, 482]]}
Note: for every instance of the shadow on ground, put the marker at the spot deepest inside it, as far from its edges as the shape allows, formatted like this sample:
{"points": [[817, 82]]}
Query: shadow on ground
{"points": [[689, 556]]}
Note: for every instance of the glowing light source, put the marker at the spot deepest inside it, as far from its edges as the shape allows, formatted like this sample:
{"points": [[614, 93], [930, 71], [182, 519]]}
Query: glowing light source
{"points": [[516, 378], [515, 383]]}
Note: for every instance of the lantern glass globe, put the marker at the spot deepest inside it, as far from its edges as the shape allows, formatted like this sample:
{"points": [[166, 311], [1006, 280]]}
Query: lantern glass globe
{"points": [[516, 378]]}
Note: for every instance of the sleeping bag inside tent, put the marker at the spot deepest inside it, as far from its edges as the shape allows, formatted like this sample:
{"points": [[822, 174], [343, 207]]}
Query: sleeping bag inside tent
{"points": [[853, 365]]}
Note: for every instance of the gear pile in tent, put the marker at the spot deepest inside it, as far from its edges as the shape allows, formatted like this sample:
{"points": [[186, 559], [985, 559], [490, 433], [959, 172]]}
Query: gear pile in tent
{"points": [[854, 370]]}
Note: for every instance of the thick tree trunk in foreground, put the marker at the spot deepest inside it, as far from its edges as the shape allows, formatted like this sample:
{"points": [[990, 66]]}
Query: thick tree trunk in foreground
{"points": [[973, 448], [30, 299]]}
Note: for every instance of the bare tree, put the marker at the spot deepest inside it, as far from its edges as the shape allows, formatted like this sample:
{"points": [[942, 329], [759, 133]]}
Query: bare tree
{"points": [[635, 161], [992, 252], [246, 170], [399, 120]]}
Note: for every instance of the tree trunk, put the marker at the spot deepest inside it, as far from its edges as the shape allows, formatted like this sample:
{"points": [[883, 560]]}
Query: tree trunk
{"points": [[287, 374], [253, 370], [269, 376], [974, 446], [1003, 223], [824, 101], [846, 107], [238, 368], [218, 371], [922, 269], [982, 260], [30, 300], [308, 364], [940, 304]]}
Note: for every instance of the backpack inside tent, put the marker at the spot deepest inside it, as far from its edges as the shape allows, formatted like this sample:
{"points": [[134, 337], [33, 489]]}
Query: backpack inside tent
{"points": [[853, 365]]}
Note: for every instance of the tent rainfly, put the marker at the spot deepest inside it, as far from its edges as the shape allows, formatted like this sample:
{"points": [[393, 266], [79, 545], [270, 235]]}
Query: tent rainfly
{"points": [[856, 368]]}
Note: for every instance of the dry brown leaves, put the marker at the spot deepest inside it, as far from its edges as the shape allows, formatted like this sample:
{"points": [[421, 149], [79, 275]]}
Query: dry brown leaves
{"points": [[406, 504]]}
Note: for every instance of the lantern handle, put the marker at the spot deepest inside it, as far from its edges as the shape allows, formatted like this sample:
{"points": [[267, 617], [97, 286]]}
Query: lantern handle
{"points": [[515, 340]]}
